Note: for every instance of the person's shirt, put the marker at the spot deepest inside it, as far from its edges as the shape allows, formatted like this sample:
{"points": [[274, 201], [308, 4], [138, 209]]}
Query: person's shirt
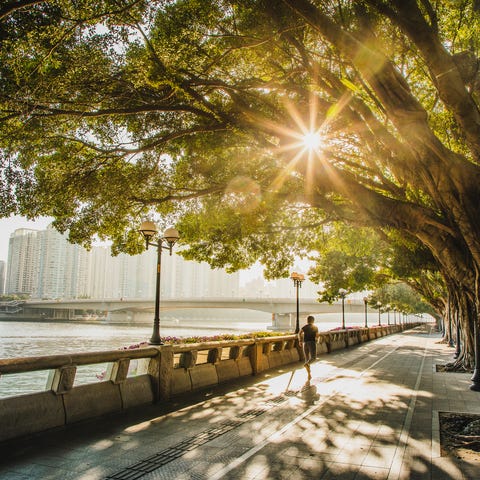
{"points": [[310, 332]]}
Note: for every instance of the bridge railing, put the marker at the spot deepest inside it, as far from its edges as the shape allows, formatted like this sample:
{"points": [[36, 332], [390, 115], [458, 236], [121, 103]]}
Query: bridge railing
{"points": [[160, 373]]}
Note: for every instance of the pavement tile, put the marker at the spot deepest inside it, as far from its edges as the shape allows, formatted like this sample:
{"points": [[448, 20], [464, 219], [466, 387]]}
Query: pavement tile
{"points": [[9, 475], [372, 473], [353, 455], [380, 457], [340, 471]]}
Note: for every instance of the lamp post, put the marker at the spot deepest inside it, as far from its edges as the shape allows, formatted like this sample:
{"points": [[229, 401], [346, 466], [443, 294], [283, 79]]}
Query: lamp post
{"points": [[387, 307], [379, 304], [365, 301], [297, 278], [170, 236], [342, 292]]}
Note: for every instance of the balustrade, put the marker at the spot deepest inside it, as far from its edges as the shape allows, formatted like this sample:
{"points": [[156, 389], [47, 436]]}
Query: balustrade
{"points": [[159, 373]]}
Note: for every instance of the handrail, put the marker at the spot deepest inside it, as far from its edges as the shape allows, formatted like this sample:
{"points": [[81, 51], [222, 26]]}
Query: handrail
{"points": [[49, 362], [31, 364]]}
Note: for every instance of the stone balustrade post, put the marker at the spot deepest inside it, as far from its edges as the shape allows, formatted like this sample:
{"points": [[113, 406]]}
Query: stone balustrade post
{"points": [[117, 371], [214, 355], [61, 379], [256, 354], [234, 353], [160, 369]]}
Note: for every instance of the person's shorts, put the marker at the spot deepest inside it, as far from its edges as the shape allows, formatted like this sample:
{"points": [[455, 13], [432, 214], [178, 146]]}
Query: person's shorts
{"points": [[310, 351]]}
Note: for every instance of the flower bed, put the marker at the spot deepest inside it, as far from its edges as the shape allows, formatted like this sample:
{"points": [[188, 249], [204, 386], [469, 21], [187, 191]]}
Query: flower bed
{"points": [[219, 338]]}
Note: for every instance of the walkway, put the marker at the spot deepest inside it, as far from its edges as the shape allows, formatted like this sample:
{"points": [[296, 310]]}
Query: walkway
{"points": [[370, 412]]}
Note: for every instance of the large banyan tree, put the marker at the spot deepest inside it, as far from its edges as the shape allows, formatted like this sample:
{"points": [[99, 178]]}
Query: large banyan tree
{"points": [[251, 124]]}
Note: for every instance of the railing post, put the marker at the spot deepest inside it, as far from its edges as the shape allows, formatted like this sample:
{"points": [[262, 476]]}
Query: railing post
{"points": [[160, 369], [256, 357], [117, 372], [61, 380], [214, 355]]}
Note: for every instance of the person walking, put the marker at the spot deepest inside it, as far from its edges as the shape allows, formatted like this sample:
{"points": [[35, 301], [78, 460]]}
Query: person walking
{"points": [[307, 337]]}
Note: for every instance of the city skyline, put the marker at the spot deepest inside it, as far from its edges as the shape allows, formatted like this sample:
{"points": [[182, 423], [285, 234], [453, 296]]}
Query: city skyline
{"points": [[9, 225], [43, 263]]}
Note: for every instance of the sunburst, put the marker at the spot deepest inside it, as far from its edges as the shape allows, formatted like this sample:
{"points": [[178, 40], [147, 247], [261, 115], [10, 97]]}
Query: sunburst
{"points": [[312, 140]]}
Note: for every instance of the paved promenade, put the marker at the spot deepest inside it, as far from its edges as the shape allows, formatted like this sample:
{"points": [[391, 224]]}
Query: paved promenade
{"points": [[369, 412]]}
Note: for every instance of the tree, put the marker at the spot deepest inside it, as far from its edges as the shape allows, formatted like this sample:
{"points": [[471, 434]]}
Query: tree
{"points": [[359, 259], [210, 114], [348, 258]]}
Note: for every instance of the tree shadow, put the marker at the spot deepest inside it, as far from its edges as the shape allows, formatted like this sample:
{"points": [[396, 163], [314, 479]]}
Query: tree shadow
{"points": [[355, 431]]}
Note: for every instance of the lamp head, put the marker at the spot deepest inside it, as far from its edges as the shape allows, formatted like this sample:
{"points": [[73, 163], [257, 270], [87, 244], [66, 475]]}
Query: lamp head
{"points": [[171, 235], [342, 292], [148, 229], [297, 277]]}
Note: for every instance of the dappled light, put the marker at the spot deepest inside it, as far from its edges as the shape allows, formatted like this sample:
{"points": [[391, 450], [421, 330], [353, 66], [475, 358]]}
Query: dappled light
{"points": [[366, 412]]}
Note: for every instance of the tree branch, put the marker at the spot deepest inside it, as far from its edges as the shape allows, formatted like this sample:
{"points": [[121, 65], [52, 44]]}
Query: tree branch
{"points": [[11, 7]]}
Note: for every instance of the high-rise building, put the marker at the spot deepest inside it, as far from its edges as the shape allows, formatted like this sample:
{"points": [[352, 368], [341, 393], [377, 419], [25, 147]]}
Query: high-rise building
{"points": [[61, 266], [188, 279], [2, 276], [22, 261], [280, 288]]}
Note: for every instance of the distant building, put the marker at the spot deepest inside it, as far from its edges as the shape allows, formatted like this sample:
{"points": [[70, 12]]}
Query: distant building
{"points": [[22, 262], [60, 267], [43, 264], [2, 276]]}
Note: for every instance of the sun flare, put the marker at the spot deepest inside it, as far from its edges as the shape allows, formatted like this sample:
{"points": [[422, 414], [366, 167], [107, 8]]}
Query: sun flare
{"points": [[312, 140]]}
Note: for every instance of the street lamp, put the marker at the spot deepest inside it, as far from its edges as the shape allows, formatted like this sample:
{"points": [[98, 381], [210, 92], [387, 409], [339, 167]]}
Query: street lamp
{"points": [[170, 236], [365, 301], [297, 278], [388, 313], [379, 304], [342, 292]]}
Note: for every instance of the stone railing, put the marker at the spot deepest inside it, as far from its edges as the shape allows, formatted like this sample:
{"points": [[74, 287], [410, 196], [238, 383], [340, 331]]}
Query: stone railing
{"points": [[161, 372]]}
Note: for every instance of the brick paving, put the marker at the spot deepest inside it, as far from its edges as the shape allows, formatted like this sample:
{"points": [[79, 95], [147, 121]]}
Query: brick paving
{"points": [[369, 412]]}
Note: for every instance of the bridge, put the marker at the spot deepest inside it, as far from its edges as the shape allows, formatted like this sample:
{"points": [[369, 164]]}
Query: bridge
{"points": [[120, 310], [271, 305]]}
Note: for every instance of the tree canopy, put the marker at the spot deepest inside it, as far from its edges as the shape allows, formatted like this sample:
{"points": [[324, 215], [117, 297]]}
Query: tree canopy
{"points": [[250, 124]]}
